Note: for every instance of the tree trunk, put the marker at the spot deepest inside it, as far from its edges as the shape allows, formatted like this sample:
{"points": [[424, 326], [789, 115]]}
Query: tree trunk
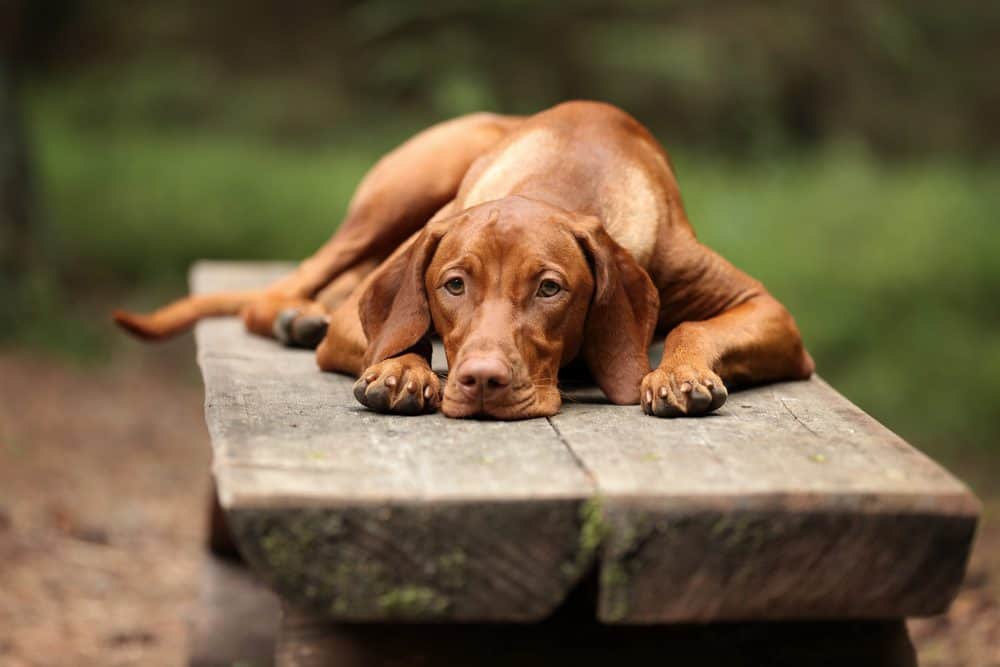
{"points": [[16, 201]]}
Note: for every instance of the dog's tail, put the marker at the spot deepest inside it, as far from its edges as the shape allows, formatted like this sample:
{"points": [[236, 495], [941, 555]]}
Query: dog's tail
{"points": [[182, 314]]}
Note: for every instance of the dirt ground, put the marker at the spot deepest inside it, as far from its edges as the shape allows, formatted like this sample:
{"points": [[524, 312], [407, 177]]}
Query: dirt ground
{"points": [[103, 486]]}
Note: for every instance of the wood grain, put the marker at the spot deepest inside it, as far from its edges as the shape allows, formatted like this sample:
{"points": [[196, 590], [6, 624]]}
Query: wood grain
{"points": [[788, 503], [362, 517]]}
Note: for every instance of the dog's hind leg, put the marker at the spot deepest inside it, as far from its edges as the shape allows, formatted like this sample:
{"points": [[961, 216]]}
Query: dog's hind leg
{"points": [[302, 322], [397, 196], [394, 200]]}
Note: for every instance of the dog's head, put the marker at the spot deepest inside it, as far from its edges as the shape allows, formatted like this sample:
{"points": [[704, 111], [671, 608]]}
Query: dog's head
{"points": [[516, 289]]}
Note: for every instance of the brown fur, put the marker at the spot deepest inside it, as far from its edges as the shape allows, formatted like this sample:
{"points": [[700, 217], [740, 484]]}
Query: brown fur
{"points": [[579, 197]]}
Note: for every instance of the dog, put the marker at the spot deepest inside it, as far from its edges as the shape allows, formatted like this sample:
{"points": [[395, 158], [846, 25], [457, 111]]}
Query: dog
{"points": [[525, 243]]}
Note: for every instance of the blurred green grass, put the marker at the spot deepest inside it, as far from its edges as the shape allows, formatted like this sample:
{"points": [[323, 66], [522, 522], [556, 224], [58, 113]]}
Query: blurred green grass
{"points": [[892, 272], [891, 269]]}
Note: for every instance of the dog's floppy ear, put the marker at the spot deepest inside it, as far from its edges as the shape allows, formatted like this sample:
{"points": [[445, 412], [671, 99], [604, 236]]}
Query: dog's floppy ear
{"points": [[393, 308], [622, 316]]}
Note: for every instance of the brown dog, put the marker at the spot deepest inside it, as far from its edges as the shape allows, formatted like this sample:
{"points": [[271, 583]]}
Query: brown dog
{"points": [[524, 243]]}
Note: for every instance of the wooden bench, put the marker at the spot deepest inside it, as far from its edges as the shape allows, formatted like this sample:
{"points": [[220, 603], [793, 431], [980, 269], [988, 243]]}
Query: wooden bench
{"points": [[790, 524]]}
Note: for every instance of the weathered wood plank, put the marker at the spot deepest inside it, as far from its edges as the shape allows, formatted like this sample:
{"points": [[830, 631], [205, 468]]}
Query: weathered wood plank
{"points": [[789, 503], [363, 517]]}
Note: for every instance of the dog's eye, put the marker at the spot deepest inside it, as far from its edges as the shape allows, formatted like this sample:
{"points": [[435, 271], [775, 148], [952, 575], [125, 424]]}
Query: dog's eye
{"points": [[549, 288], [455, 286]]}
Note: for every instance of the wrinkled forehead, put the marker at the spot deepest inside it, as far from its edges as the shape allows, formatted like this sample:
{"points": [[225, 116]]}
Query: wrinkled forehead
{"points": [[533, 240]]}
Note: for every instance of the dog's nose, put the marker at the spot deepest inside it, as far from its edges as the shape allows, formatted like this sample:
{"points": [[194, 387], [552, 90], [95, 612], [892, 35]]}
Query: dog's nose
{"points": [[483, 376]]}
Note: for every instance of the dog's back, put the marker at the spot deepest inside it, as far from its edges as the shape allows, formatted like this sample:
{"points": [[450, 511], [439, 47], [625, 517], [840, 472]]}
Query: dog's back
{"points": [[587, 157]]}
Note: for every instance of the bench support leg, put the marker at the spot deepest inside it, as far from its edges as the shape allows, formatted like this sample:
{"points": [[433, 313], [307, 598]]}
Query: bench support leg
{"points": [[306, 641], [235, 619]]}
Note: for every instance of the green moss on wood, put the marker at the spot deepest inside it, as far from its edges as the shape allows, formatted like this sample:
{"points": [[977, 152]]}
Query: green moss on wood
{"points": [[375, 562], [451, 568], [739, 531], [593, 531], [619, 562], [614, 591], [413, 602]]}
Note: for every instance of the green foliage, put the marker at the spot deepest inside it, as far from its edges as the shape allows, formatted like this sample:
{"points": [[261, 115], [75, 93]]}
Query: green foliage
{"points": [[889, 268], [891, 272], [908, 76], [138, 203]]}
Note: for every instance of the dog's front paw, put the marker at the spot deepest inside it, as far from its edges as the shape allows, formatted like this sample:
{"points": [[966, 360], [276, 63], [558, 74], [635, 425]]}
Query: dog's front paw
{"points": [[403, 385], [676, 391]]}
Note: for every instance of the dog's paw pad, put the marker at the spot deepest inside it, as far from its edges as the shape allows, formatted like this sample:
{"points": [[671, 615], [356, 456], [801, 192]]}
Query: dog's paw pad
{"points": [[309, 330], [294, 329], [282, 327], [675, 391], [398, 386]]}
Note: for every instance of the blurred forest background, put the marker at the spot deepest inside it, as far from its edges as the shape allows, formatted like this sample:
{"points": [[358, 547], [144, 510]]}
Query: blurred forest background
{"points": [[843, 152]]}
